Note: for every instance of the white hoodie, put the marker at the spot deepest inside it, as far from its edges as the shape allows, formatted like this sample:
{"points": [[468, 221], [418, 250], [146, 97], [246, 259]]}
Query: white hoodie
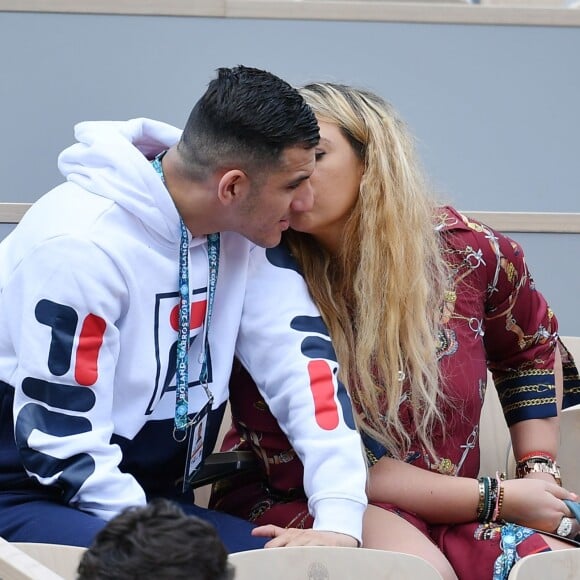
{"points": [[89, 283]]}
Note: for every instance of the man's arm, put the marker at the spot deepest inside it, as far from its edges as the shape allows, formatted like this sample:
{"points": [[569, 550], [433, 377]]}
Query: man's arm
{"points": [[65, 297], [286, 348]]}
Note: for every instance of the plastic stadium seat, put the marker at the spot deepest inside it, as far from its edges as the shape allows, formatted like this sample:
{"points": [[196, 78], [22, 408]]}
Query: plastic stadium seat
{"points": [[327, 563], [62, 560], [15, 564], [560, 564]]}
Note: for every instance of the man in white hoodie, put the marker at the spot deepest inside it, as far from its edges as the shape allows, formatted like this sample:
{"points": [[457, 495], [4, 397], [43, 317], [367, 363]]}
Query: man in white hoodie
{"points": [[127, 291]]}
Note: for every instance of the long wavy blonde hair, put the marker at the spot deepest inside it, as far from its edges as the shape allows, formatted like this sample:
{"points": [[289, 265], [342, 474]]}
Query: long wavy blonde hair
{"points": [[381, 295]]}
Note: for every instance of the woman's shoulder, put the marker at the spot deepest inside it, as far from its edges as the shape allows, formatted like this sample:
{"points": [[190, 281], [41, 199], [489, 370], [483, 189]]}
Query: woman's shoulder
{"points": [[450, 219], [458, 228]]}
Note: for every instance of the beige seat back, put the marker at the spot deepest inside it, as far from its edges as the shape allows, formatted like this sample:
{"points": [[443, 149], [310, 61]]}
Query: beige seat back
{"points": [[15, 564], [62, 560], [569, 454], [560, 564], [494, 436], [323, 562]]}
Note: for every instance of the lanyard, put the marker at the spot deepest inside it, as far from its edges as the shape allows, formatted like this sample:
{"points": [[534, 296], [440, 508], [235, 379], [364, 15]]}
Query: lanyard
{"points": [[182, 421]]}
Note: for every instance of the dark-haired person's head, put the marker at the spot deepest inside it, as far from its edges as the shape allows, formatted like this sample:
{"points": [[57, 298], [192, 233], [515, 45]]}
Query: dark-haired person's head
{"points": [[247, 117], [156, 541], [249, 141]]}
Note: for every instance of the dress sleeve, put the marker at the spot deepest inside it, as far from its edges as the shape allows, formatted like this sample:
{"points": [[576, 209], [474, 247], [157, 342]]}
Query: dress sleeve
{"points": [[520, 330]]}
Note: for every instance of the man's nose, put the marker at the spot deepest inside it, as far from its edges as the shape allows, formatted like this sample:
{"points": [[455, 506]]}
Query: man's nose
{"points": [[304, 198]]}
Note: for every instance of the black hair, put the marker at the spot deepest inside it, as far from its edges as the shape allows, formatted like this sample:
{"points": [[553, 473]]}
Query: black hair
{"points": [[156, 541], [245, 119]]}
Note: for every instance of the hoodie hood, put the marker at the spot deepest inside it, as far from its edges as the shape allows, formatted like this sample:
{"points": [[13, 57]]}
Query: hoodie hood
{"points": [[111, 159]]}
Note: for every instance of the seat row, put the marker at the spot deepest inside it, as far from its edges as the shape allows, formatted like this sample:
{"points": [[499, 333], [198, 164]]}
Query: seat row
{"points": [[50, 562]]}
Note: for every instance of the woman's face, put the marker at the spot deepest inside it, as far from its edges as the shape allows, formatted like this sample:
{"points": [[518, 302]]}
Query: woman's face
{"points": [[335, 181]]}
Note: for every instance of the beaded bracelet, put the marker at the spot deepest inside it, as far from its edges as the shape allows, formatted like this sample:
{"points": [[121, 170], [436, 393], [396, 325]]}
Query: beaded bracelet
{"points": [[497, 512], [500, 477], [493, 496]]}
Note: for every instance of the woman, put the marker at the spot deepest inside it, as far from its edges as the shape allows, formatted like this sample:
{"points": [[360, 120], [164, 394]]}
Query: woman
{"points": [[420, 302]]}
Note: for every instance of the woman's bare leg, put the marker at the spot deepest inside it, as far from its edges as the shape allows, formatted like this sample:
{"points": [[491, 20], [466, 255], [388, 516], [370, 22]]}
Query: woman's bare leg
{"points": [[556, 544], [384, 530]]}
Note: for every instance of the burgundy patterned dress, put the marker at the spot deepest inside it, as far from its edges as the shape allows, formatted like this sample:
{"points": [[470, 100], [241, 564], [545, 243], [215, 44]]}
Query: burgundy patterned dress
{"points": [[493, 318]]}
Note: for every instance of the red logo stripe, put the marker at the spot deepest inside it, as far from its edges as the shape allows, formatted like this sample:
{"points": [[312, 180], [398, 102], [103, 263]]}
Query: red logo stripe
{"points": [[90, 341], [322, 387]]}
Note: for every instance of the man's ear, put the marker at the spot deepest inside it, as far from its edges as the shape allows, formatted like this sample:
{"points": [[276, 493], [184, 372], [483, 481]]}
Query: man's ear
{"points": [[233, 186]]}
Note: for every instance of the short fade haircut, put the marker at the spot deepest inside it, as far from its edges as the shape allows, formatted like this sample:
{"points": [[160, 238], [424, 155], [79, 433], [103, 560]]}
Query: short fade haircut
{"points": [[245, 119], [156, 541]]}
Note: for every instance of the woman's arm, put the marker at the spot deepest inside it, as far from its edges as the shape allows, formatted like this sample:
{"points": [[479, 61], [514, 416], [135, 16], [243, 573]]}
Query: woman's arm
{"points": [[438, 498], [540, 434], [434, 497]]}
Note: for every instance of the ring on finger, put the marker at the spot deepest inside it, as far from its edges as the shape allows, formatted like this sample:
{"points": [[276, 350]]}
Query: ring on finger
{"points": [[565, 527]]}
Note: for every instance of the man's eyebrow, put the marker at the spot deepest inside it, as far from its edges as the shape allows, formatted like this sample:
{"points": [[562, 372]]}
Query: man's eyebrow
{"points": [[299, 180]]}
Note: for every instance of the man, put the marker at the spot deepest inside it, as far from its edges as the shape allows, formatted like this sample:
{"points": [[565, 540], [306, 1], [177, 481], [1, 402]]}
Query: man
{"points": [[121, 310], [156, 541]]}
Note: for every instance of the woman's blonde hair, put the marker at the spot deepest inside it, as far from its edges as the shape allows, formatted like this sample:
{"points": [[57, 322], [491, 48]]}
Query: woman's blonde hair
{"points": [[381, 295]]}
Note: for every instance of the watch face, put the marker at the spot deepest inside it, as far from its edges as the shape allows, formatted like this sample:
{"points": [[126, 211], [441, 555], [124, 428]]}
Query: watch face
{"points": [[565, 527]]}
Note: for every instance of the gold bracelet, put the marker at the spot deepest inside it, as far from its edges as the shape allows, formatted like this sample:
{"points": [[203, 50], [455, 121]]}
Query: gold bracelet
{"points": [[481, 502]]}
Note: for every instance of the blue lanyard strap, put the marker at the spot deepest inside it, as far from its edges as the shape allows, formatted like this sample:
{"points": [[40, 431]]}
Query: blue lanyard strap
{"points": [[182, 421], [213, 258], [182, 367]]}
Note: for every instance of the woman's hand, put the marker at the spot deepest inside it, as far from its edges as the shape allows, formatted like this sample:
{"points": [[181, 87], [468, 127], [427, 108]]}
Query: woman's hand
{"points": [[295, 537], [535, 503]]}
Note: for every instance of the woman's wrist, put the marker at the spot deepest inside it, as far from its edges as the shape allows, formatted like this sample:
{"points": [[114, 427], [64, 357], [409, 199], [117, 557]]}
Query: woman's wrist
{"points": [[536, 463], [490, 498]]}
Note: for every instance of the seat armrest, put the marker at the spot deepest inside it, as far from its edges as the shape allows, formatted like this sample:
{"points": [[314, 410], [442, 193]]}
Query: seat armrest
{"points": [[223, 464]]}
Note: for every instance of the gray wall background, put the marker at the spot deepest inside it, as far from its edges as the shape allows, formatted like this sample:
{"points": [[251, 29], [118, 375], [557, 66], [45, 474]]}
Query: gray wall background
{"points": [[495, 109]]}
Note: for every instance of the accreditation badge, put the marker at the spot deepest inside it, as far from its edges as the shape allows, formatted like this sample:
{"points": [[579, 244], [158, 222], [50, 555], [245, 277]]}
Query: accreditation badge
{"points": [[194, 451]]}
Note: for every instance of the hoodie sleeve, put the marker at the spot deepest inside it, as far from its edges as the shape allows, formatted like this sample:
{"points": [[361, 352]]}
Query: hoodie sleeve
{"points": [[63, 325], [286, 348]]}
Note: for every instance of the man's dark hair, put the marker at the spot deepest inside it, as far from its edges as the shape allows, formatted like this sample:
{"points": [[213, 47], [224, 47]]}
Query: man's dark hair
{"points": [[245, 119], [156, 541]]}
